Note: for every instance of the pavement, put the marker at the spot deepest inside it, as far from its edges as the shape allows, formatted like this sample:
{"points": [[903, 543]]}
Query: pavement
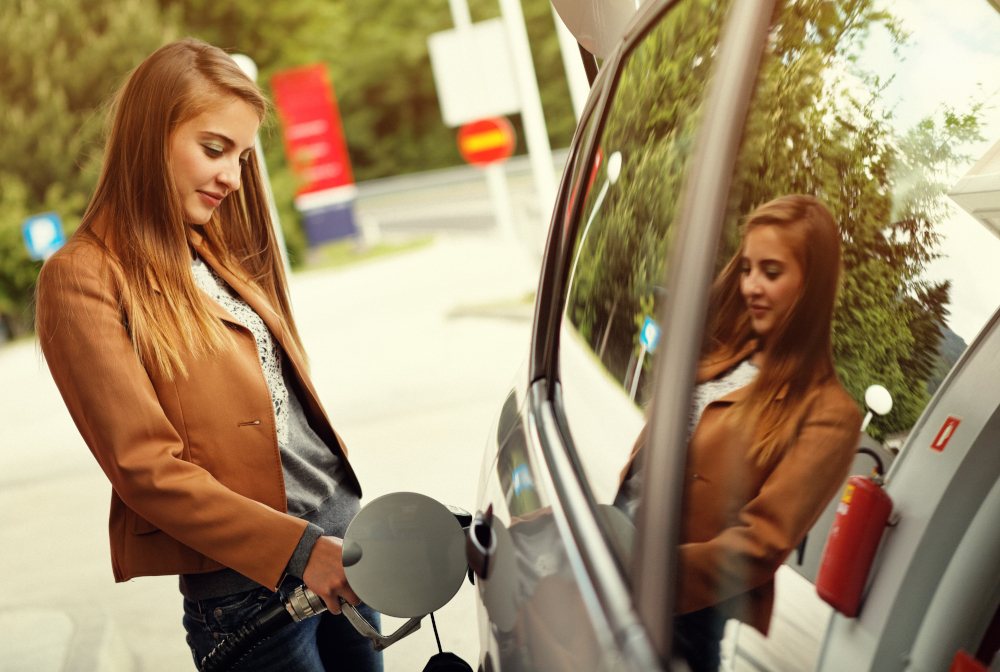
{"points": [[412, 360]]}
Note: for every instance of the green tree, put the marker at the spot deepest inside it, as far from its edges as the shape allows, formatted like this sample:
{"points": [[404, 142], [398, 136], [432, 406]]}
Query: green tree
{"points": [[817, 125], [811, 131], [59, 60], [376, 51]]}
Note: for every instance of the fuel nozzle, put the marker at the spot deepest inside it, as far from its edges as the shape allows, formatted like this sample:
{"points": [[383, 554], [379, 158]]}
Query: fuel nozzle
{"points": [[304, 603]]}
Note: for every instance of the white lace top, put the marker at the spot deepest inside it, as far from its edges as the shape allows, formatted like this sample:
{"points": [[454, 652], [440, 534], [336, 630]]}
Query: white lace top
{"points": [[267, 346], [712, 390]]}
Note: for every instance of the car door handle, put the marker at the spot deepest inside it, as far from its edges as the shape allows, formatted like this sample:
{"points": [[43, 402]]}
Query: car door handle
{"points": [[481, 543]]}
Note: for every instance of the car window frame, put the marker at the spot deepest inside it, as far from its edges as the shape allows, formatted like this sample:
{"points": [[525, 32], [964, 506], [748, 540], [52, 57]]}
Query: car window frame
{"points": [[741, 45], [690, 274]]}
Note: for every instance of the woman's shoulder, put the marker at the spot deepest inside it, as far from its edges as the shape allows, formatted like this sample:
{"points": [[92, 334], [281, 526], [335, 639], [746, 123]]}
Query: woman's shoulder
{"points": [[81, 267], [829, 398], [83, 253]]}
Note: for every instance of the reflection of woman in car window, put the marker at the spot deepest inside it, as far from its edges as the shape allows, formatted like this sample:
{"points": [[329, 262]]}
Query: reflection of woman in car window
{"points": [[773, 432]]}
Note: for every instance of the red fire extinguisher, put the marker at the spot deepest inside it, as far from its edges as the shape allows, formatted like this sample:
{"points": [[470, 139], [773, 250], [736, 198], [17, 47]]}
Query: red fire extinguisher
{"points": [[862, 516]]}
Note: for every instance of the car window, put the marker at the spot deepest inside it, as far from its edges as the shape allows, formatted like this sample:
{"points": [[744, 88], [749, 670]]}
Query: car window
{"points": [[622, 235], [884, 123]]}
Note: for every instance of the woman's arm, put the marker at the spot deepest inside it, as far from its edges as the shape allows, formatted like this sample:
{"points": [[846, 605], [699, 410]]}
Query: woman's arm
{"points": [[116, 409], [774, 522]]}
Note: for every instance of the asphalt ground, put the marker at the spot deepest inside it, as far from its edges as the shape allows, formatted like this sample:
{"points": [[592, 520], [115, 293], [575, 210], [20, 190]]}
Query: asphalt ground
{"points": [[412, 361]]}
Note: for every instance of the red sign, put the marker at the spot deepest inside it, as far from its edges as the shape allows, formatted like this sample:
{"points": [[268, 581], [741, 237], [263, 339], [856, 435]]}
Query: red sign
{"points": [[487, 141], [963, 662], [945, 433], [314, 137]]}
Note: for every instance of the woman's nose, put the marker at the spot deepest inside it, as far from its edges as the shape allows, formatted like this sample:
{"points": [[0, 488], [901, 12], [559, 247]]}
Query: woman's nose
{"points": [[230, 176]]}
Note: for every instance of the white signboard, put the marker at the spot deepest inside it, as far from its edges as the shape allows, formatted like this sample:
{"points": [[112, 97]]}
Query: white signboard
{"points": [[473, 73], [978, 193]]}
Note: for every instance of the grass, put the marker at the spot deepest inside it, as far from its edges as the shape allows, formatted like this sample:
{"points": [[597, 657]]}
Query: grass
{"points": [[347, 252]]}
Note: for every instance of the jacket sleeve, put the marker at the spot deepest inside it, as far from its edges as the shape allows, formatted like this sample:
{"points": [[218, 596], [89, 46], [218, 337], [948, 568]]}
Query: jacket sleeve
{"points": [[114, 405], [772, 524]]}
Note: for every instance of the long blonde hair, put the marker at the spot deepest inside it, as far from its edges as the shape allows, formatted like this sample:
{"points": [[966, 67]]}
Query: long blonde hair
{"points": [[798, 354], [136, 213]]}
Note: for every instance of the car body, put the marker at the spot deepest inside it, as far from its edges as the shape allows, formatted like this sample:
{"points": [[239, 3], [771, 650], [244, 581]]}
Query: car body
{"points": [[705, 110]]}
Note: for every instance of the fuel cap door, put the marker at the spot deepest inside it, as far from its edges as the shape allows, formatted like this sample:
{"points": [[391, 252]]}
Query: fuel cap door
{"points": [[404, 555]]}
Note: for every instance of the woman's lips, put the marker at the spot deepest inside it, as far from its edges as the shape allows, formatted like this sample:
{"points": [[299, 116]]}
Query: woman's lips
{"points": [[758, 311], [210, 199]]}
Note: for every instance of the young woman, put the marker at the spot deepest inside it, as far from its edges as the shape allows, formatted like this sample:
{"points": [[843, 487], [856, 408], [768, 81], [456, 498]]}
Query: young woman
{"points": [[773, 433], [166, 324]]}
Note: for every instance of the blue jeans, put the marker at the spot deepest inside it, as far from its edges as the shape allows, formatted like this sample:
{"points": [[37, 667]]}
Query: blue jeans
{"points": [[320, 644]]}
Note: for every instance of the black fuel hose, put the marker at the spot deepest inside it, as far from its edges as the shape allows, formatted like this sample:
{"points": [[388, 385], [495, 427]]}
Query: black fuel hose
{"points": [[237, 645]]}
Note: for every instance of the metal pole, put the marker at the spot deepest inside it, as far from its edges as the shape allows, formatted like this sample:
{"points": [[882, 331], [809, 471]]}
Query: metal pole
{"points": [[576, 74], [496, 176], [248, 66], [535, 133], [496, 179]]}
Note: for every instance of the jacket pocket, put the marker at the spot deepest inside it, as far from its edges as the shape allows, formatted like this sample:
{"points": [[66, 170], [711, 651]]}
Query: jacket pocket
{"points": [[140, 525]]}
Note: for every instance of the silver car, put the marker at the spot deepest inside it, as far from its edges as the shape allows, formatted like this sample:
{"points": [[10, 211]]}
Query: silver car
{"points": [[706, 109]]}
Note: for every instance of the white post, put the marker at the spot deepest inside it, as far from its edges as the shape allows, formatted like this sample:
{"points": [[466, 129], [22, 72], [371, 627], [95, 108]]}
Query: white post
{"points": [[248, 66], [496, 176], [535, 133], [496, 179], [638, 372], [583, 237], [576, 74], [279, 234], [460, 15]]}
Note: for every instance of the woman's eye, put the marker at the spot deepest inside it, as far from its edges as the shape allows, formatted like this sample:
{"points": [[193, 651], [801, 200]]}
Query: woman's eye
{"points": [[772, 271], [245, 160], [745, 267], [213, 151]]}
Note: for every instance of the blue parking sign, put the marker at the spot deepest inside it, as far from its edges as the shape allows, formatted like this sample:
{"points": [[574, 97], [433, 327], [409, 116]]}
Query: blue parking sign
{"points": [[650, 334], [43, 235]]}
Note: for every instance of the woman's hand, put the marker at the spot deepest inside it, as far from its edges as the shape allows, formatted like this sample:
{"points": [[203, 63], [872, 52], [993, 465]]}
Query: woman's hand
{"points": [[324, 573]]}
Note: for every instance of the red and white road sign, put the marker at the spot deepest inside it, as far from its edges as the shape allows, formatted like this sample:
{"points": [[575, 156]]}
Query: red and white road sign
{"points": [[486, 141], [945, 433]]}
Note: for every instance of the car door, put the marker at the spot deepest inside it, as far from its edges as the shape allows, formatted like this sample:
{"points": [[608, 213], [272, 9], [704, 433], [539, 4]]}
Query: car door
{"points": [[562, 592], [708, 110]]}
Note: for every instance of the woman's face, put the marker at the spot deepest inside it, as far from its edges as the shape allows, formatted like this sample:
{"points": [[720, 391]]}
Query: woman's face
{"points": [[207, 154], [771, 277]]}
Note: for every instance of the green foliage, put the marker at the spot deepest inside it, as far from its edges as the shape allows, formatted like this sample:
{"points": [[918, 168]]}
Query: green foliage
{"points": [[812, 131], [949, 350], [59, 60], [376, 51], [653, 121], [816, 126]]}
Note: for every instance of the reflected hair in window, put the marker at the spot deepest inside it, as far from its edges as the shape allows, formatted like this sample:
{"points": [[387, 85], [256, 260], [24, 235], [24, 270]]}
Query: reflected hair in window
{"points": [[799, 353]]}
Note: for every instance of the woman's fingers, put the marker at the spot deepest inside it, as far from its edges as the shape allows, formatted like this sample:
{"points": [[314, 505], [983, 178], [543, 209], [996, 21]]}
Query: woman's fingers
{"points": [[324, 574]]}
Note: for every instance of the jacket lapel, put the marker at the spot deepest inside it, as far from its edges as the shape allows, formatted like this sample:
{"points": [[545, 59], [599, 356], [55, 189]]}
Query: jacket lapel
{"points": [[253, 298]]}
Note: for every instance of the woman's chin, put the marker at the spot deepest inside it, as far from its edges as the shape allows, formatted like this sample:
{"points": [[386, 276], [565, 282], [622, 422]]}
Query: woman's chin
{"points": [[200, 218]]}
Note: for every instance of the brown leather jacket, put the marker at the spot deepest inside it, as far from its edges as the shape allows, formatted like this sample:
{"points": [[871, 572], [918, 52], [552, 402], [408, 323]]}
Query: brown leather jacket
{"points": [[741, 521], [193, 462]]}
